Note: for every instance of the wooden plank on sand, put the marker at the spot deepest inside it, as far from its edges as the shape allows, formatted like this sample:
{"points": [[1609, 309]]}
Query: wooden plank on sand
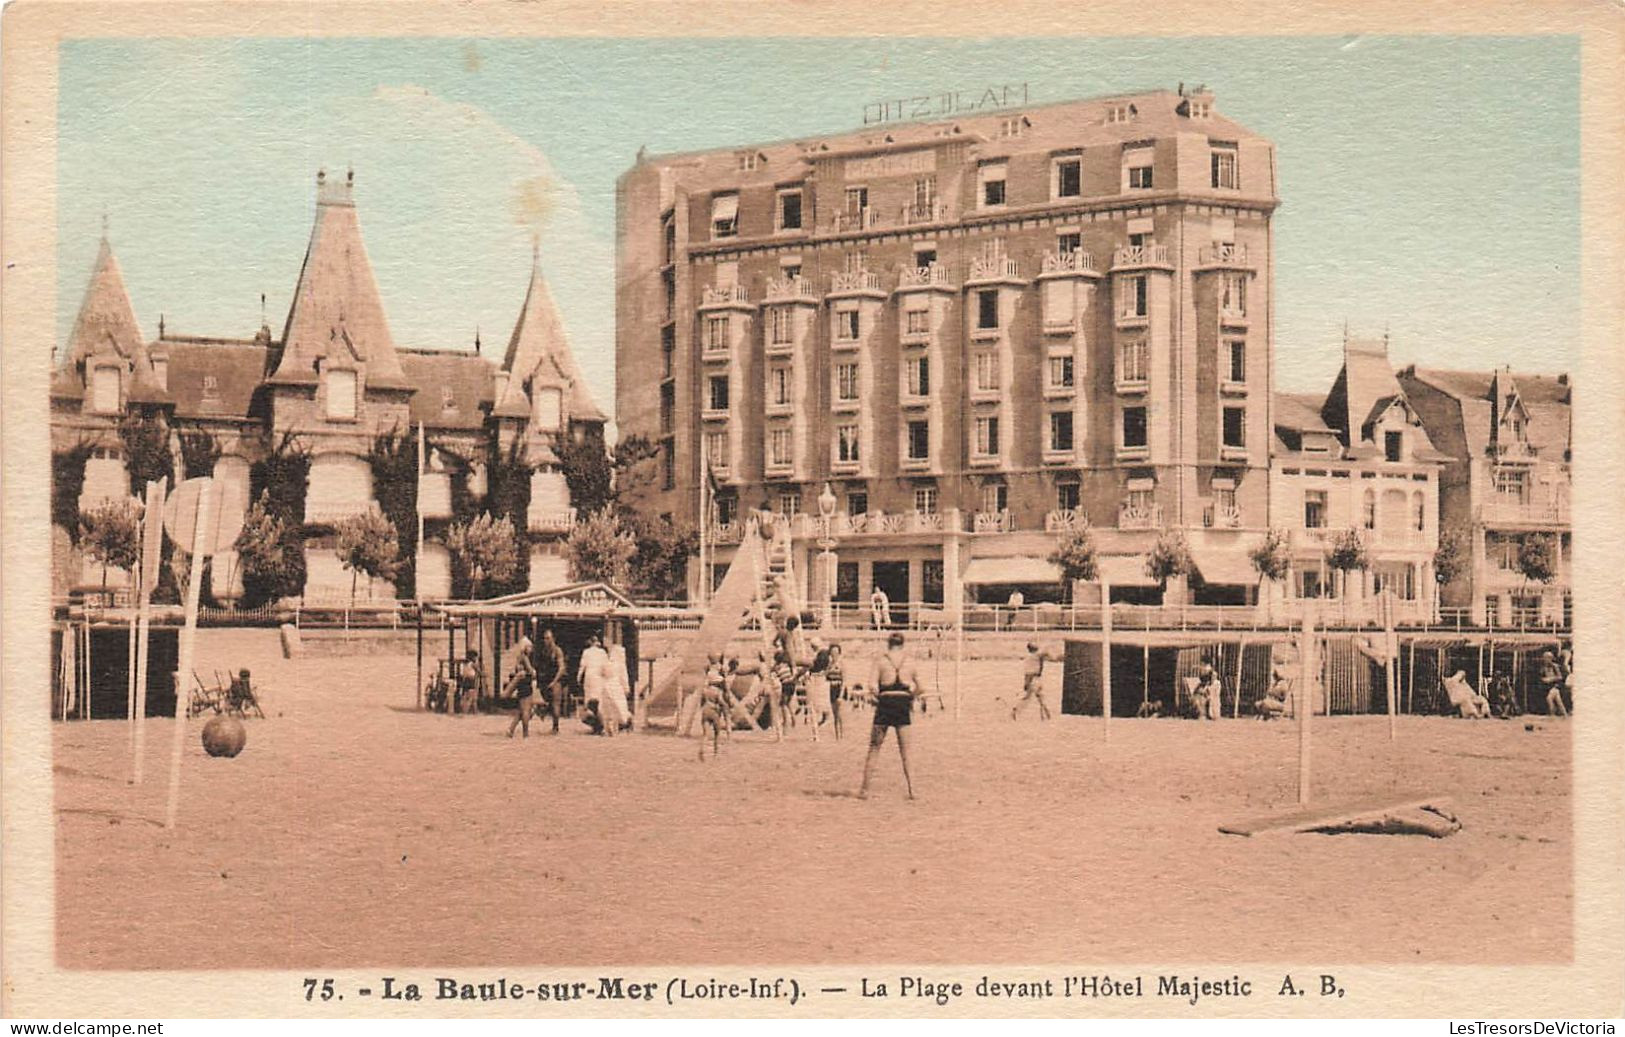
{"points": [[1324, 816]]}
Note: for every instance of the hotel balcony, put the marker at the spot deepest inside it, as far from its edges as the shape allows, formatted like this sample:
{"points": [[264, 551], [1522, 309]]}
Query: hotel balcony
{"points": [[905, 522], [933, 212], [1131, 516], [728, 295], [993, 268], [1315, 539], [1227, 256], [551, 520], [863, 219], [1065, 520], [1217, 517], [1509, 512], [790, 289], [727, 532], [991, 522], [714, 414], [1230, 388], [854, 281], [1137, 257], [1074, 262], [1132, 386], [932, 275]]}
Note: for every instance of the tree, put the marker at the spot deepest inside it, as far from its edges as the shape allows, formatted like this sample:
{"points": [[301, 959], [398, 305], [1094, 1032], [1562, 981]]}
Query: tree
{"points": [[1347, 554], [262, 548], [1272, 558], [366, 543], [1075, 557], [587, 472], [1450, 558], [599, 549], [488, 550], [108, 533], [1171, 556], [67, 483], [146, 451], [199, 452], [659, 567], [1537, 558], [393, 459]]}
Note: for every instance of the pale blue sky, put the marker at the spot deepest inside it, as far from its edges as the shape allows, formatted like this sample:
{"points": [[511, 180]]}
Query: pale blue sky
{"points": [[1429, 186]]}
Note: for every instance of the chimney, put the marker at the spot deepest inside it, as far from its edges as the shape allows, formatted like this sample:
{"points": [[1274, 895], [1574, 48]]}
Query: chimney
{"points": [[501, 386], [332, 192]]}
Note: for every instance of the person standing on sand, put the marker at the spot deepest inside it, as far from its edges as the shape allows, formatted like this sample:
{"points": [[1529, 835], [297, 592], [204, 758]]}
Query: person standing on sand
{"points": [[836, 680], [1032, 682], [593, 675], [550, 675], [880, 609], [1551, 680], [897, 685], [522, 679]]}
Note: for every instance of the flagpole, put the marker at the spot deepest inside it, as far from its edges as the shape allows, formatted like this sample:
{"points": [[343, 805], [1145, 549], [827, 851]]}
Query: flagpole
{"points": [[703, 586]]}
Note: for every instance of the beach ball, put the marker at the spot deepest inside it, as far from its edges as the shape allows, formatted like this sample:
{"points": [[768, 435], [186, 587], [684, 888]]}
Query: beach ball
{"points": [[224, 735]]}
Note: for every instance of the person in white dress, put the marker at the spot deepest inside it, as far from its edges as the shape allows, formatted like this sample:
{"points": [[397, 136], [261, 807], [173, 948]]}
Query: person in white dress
{"points": [[621, 683], [595, 684]]}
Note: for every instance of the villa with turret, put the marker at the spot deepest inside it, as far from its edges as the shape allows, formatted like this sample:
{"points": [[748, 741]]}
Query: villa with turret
{"points": [[335, 391]]}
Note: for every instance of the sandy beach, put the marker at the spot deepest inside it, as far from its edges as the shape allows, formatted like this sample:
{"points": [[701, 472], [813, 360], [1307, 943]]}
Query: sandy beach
{"points": [[356, 831]]}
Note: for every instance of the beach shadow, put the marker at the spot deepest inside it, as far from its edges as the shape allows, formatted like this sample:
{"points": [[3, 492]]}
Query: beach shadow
{"points": [[111, 815]]}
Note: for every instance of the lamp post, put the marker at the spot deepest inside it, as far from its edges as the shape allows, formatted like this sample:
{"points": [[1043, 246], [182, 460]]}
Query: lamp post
{"points": [[826, 560]]}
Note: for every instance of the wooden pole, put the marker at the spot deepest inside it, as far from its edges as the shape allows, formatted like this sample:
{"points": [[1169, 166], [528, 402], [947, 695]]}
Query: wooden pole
{"points": [[1309, 660], [202, 536], [420, 654], [959, 659], [1390, 665], [1410, 684], [152, 546], [129, 652], [1106, 659], [90, 676], [1241, 652]]}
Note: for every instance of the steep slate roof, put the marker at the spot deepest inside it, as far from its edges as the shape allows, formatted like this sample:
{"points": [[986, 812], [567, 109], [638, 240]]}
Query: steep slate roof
{"points": [[538, 343], [1300, 412], [469, 377], [1545, 397], [106, 323], [236, 365], [1365, 387], [337, 296]]}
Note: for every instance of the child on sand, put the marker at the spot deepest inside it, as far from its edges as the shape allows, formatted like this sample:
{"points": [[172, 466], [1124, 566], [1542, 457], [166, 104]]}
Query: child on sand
{"points": [[837, 685], [1032, 682], [716, 709]]}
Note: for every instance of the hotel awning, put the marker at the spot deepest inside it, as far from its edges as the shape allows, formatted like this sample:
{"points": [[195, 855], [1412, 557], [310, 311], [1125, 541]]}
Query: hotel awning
{"points": [[1226, 567], [1010, 570], [1124, 570]]}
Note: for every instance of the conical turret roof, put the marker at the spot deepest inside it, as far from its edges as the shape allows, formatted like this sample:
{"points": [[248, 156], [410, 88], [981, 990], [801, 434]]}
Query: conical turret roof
{"points": [[539, 348], [337, 296], [106, 318]]}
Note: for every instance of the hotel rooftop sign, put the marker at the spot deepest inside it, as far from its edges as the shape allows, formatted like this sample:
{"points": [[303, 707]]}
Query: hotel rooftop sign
{"points": [[944, 105]]}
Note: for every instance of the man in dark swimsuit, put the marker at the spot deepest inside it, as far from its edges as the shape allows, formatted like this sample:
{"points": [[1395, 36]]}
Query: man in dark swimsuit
{"points": [[550, 675], [897, 685]]}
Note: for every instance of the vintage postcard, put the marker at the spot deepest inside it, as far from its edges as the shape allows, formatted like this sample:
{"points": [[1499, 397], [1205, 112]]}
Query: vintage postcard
{"points": [[698, 509]]}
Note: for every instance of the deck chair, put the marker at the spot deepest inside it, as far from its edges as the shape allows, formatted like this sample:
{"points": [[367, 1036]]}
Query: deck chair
{"points": [[204, 697], [240, 697]]}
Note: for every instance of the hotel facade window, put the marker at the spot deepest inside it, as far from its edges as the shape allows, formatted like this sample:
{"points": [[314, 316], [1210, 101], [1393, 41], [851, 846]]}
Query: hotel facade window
{"points": [[778, 447], [917, 322], [779, 387], [1137, 169], [1237, 350], [991, 180], [1068, 242], [1060, 430], [783, 326], [789, 503], [925, 197], [1222, 164], [1314, 509], [987, 371], [925, 500], [987, 309], [846, 381], [1133, 364], [1393, 446], [716, 334], [1060, 372], [1134, 428], [1068, 177], [1135, 301], [716, 449], [718, 396], [1234, 300], [924, 257], [847, 439], [987, 436], [1235, 427], [724, 215], [919, 441], [919, 376], [857, 502], [995, 496], [789, 210], [857, 203], [1066, 496], [846, 325]]}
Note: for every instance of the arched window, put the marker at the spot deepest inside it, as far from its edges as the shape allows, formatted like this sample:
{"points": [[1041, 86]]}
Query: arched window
{"points": [[549, 408]]}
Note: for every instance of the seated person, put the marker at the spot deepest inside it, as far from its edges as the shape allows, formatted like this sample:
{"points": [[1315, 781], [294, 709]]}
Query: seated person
{"points": [[468, 682], [1463, 698], [1277, 700]]}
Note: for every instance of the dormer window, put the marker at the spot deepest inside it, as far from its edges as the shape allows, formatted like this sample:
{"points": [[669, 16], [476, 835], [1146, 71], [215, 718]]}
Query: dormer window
{"points": [[549, 408], [1223, 167], [747, 161], [1012, 126], [1393, 445], [160, 371], [448, 398], [341, 393], [724, 215], [211, 387], [104, 389], [1121, 113]]}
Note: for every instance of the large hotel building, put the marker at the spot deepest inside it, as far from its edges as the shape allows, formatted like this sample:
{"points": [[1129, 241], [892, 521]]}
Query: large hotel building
{"points": [[977, 332]]}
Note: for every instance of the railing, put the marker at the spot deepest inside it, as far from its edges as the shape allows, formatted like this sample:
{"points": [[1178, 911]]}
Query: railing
{"points": [[1139, 516], [1219, 254], [727, 532], [1222, 516], [724, 296], [930, 213], [863, 219], [329, 513], [1551, 512], [1065, 520], [991, 522], [551, 520], [923, 276], [855, 281], [1315, 538], [993, 268], [1140, 255], [790, 289], [1076, 261]]}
